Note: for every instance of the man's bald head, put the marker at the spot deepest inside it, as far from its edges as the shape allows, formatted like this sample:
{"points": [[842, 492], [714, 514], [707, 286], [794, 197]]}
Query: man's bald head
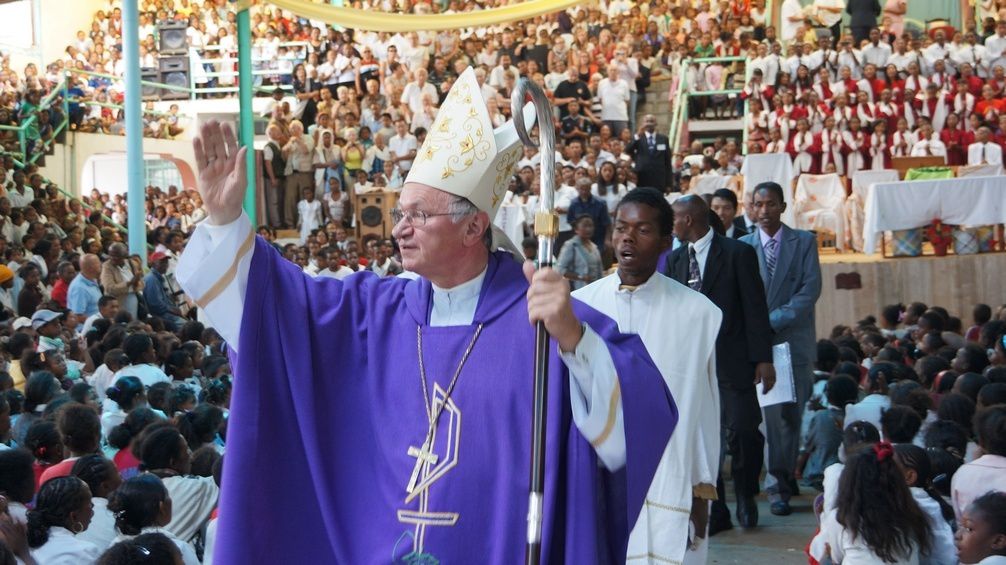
{"points": [[691, 218], [90, 266]]}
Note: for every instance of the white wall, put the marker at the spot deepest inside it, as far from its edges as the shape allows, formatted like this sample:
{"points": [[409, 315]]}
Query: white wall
{"points": [[57, 26], [67, 166]]}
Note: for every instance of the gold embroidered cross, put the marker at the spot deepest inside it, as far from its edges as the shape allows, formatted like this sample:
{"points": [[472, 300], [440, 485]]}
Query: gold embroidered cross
{"points": [[422, 455]]}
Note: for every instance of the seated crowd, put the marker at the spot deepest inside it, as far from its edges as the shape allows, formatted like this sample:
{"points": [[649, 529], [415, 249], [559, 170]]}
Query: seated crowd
{"points": [[904, 436]]}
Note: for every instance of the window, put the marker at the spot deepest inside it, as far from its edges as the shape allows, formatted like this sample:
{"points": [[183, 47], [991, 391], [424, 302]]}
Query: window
{"points": [[21, 36]]}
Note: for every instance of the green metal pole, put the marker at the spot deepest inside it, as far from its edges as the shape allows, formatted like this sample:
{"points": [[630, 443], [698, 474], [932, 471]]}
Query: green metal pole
{"points": [[247, 125]]}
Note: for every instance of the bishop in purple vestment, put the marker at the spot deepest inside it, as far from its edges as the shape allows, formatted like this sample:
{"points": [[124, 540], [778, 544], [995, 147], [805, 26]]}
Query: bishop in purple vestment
{"points": [[332, 457]]}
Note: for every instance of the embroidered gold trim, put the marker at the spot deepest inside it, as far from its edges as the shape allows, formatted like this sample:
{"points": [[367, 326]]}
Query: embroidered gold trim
{"points": [[659, 558], [428, 518], [668, 508], [616, 395], [228, 276]]}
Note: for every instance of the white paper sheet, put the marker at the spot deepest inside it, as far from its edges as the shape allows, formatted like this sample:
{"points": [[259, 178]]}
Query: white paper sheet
{"points": [[784, 390]]}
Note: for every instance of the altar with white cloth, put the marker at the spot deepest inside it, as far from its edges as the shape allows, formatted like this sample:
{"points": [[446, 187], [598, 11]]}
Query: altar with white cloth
{"points": [[903, 205]]}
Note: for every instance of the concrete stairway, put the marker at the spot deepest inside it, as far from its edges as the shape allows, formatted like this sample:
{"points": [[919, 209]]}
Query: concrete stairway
{"points": [[657, 104]]}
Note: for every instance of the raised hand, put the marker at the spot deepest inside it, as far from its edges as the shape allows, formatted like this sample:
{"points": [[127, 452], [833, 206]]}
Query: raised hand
{"points": [[222, 175]]}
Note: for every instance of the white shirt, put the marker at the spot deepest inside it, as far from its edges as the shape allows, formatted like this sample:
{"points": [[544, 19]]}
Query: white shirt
{"points": [[456, 306], [64, 548], [790, 8], [943, 549], [563, 198], [988, 152], [188, 552], [413, 95], [701, 248], [876, 54], [867, 410], [614, 97], [149, 375], [402, 146], [101, 530]]}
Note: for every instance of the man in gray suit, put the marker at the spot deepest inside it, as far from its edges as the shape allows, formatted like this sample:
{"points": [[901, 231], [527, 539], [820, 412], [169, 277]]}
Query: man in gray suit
{"points": [[792, 276]]}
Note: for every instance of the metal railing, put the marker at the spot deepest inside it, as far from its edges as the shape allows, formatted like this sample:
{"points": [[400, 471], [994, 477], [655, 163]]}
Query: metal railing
{"points": [[679, 115], [259, 62], [30, 152]]}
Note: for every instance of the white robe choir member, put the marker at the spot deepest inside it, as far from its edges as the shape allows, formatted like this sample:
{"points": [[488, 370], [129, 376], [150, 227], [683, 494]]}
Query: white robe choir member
{"points": [[690, 463], [803, 162], [831, 151], [902, 143], [985, 153], [931, 147], [856, 144]]}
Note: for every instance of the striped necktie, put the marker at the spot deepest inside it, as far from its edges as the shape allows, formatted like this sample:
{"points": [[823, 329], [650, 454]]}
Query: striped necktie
{"points": [[771, 256]]}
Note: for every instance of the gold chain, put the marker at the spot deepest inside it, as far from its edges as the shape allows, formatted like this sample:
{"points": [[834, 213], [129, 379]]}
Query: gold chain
{"points": [[450, 388]]}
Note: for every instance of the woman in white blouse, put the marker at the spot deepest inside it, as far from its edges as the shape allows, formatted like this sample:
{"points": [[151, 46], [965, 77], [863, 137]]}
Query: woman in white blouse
{"points": [[102, 478], [62, 510], [142, 506]]}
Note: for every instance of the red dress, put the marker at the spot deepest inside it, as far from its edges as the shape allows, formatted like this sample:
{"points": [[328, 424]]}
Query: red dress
{"points": [[956, 155]]}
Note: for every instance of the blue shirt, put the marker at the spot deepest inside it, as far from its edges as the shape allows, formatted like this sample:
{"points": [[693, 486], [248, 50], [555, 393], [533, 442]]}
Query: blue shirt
{"points": [[153, 291], [83, 295], [597, 210]]}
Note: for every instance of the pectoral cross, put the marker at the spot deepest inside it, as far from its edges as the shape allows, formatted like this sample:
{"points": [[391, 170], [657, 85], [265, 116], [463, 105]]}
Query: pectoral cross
{"points": [[422, 455]]}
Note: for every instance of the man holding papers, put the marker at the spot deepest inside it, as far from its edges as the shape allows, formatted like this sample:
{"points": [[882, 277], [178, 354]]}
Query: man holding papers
{"points": [[726, 271], [792, 276]]}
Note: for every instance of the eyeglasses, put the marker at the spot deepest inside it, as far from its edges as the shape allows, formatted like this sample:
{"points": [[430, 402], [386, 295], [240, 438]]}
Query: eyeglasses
{"points": [[416, 218]]}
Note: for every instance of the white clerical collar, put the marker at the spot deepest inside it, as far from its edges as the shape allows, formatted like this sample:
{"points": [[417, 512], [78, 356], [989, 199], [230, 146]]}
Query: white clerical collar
{"points": [[456, 306], [637, 289], [703, 242]]}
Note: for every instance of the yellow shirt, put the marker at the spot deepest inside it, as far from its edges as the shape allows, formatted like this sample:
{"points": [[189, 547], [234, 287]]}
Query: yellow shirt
{"points": [[17, 374]]}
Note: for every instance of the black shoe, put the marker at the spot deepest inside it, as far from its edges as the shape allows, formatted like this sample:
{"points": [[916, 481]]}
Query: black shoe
{"points": [[719, 518], [781, 508], [747, 512], [717, 525]]}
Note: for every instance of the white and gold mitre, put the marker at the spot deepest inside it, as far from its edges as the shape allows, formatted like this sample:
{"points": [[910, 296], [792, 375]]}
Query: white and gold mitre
{"points": [[463, 154]]}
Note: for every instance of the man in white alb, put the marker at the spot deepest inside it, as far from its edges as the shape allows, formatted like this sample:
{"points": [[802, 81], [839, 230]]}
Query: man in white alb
{"points": [[663, 311]]}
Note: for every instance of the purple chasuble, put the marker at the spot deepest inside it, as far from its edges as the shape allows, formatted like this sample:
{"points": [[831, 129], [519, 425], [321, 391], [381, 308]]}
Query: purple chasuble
{"points": [[328, 402]]}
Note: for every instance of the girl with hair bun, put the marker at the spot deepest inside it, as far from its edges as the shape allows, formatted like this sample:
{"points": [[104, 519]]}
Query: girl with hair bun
{"points": [[123, 436], [62, 510], [46, 446], [127, 393], [142, 505]]}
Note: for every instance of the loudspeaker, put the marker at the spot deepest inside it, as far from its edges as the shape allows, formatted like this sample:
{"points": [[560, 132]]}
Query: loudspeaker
{"points": [[172, 38], [175, 72], [373, 213], [150, 92]]}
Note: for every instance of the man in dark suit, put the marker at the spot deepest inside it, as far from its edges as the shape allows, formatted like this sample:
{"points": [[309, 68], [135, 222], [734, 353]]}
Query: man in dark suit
{"points": [[724, 203], [792, 275], [651, 152], [863, 15], [726, 271]]}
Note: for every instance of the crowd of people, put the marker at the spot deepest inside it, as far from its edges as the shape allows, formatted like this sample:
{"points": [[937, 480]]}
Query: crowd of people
{"points": [[904, 437], [851, 102]]}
